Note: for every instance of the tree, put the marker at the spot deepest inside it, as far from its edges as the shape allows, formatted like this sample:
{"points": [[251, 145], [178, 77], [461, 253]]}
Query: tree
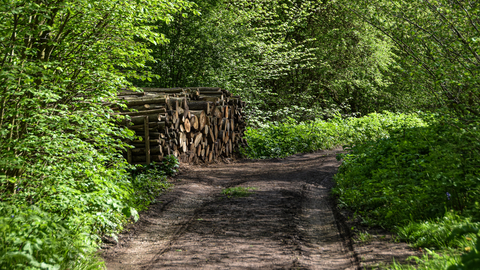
{"points": [[301, 59], [60, 62], [440, 42]]}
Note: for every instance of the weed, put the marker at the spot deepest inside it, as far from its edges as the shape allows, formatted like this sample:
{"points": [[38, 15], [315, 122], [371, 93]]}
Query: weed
{"points": [[428, 261], [238, 191], [436, 233], [364, 237]]}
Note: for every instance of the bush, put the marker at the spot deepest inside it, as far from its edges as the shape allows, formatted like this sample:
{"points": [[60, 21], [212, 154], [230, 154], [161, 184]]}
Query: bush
{"points": [[437, 233], [409, 178], [58, 225], [471, 259], [149, 181], [34, 239]]}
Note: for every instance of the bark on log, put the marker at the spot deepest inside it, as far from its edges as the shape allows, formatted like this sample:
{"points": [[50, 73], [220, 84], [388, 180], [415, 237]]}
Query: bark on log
{"points": [[208, 88], [208, 98], [130, 93], [146, 112], [142, 101], [208, 93], [152, 126], [200, 105], [138, 120], [164, 90], [139, 108]]}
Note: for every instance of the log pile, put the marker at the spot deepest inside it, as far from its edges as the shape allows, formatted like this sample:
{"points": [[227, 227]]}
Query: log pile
{"points": [[193, 124]]}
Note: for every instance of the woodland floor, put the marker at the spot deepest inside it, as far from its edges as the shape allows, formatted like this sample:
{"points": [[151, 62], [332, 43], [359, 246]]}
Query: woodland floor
{"points": [[289, 222]]}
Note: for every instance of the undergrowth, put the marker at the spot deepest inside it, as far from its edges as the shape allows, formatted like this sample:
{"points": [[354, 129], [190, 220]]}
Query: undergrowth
{"points": [[437, 233], [62, 230], [414, 174], [422, 182], [35, 239], [238, 192], [278, 140], [458, 249]]}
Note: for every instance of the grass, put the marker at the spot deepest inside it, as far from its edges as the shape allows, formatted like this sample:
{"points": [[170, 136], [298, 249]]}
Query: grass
{"points": [[238, 192], [436, 233], [450, 242], [364, 237], [430, 260]]}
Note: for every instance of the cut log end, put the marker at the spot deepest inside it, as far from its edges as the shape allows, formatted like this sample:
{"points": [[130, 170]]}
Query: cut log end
{"points": [[193, 124]]}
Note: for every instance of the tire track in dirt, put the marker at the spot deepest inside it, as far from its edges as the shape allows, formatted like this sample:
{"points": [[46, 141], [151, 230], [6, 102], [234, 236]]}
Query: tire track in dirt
{"points": [[288, 222]]}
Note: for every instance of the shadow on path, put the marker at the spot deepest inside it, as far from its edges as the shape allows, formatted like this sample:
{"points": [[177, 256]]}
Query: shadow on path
{"points": [[287, 223]]}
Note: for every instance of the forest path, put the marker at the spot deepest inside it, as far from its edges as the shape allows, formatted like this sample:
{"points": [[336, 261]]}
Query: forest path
{"points": [[288, 222]]}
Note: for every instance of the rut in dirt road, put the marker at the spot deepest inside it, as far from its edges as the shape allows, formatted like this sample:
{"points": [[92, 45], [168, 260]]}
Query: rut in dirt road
{"points": [[287, 223]]}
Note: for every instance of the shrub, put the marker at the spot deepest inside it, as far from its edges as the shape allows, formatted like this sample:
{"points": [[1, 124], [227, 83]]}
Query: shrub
{"points": [[456, 237], [149, 181], [59, 226], [34, 239]]}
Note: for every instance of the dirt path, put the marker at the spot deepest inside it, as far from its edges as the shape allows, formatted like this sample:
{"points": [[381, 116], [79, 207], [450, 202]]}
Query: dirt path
{"points": [[288, 223]]}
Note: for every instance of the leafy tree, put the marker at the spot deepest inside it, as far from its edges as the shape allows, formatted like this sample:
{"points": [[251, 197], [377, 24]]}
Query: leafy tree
{"points": [[441, 40], [192, 49], [287, 58], [348, 64], [61, 61]]}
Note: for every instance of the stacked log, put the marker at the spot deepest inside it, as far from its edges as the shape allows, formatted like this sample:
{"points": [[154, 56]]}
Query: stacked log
{"points": [[193, 124]]}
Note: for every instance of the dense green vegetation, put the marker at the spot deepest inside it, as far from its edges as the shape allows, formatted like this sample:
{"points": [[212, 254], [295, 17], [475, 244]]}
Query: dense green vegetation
{"points": [[422, 182], [416, 173], [63, 181], [63, 233], [314, 73], [281, 139]]}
